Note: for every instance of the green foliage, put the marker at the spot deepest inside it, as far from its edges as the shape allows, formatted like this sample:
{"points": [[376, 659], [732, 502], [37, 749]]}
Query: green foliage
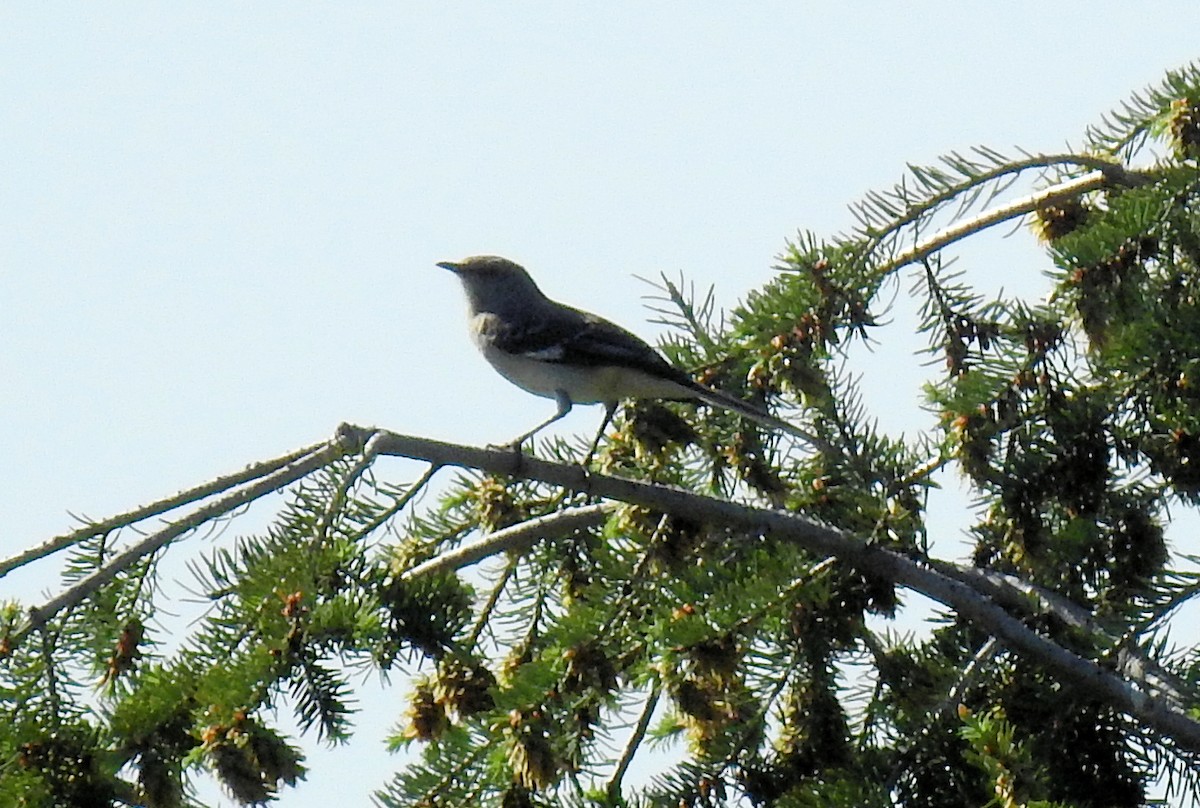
{"points": [[753, 665]]}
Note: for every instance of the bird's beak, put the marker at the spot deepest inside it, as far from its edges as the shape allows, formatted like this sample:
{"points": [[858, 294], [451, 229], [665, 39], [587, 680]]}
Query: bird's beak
{"points": [[450, 265]]}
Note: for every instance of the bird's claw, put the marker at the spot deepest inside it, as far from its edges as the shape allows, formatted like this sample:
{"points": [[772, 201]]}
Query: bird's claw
{"points": [[511, 446]]}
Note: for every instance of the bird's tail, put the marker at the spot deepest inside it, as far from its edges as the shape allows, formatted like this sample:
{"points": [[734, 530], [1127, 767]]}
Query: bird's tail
{"points": [[727, 402]]}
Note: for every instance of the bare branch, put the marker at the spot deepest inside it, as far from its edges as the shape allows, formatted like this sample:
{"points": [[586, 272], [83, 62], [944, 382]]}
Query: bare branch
{"points": [[969, 675], [912, 573], [632, 745], [512, 538], [401, 502], [339, 446], [1028, 598], [972, 177], [251, 472], [973, 595], [1019, 207]]}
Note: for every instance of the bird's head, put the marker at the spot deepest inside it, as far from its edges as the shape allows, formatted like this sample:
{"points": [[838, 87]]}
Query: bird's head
{"points": [[493, 283]]}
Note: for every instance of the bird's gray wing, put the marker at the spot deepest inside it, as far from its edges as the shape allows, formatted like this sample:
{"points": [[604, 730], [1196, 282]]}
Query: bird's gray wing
{"points": [[574, 337]]}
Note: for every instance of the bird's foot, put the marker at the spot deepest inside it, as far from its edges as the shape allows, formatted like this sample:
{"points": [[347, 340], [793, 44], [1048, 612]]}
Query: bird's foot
{"points": [[511, 446], [586, 463]]}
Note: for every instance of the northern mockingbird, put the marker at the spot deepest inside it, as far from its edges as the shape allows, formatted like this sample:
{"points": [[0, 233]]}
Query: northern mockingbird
{"points": [[573, 356]]}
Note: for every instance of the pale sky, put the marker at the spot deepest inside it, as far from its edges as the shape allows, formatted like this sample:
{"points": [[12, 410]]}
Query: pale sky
{"points": [[219, 221]]}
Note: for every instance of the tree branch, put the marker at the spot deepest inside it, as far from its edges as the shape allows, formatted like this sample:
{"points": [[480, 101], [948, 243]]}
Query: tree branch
{"points": [[340, 445], [632, 745], [1019, 207], [960, 589], [512, 538], [915, 211], [251, 472], [401, 502], [1028, 598], [823, 539]]}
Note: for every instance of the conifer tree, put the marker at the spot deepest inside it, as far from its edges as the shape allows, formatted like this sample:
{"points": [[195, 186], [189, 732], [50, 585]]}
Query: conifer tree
{"points": [[706, 584]]}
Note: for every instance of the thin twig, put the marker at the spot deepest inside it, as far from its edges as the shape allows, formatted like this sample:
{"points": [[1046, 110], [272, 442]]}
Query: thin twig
{"points": [[921, 472], [339, 446], [387, 513], [55, 710], [485, 613], [187, 497], [756, 724], [512, 538], [946, 710], [632, 745], [627, 604], [970, 674], [337, 501], [1029, 598], [1027, 204], [915, 212]]}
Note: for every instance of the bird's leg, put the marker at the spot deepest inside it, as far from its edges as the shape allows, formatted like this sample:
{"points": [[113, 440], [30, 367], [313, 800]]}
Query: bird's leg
{"points": [[610, 409], [564, 407]]}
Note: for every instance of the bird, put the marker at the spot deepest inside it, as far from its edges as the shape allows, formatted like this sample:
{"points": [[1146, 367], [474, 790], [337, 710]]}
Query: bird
{"points": [[573, 356]]}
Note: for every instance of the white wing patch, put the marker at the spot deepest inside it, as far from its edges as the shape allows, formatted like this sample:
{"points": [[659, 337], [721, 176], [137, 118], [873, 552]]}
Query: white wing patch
{"points": [[551, 353]]}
